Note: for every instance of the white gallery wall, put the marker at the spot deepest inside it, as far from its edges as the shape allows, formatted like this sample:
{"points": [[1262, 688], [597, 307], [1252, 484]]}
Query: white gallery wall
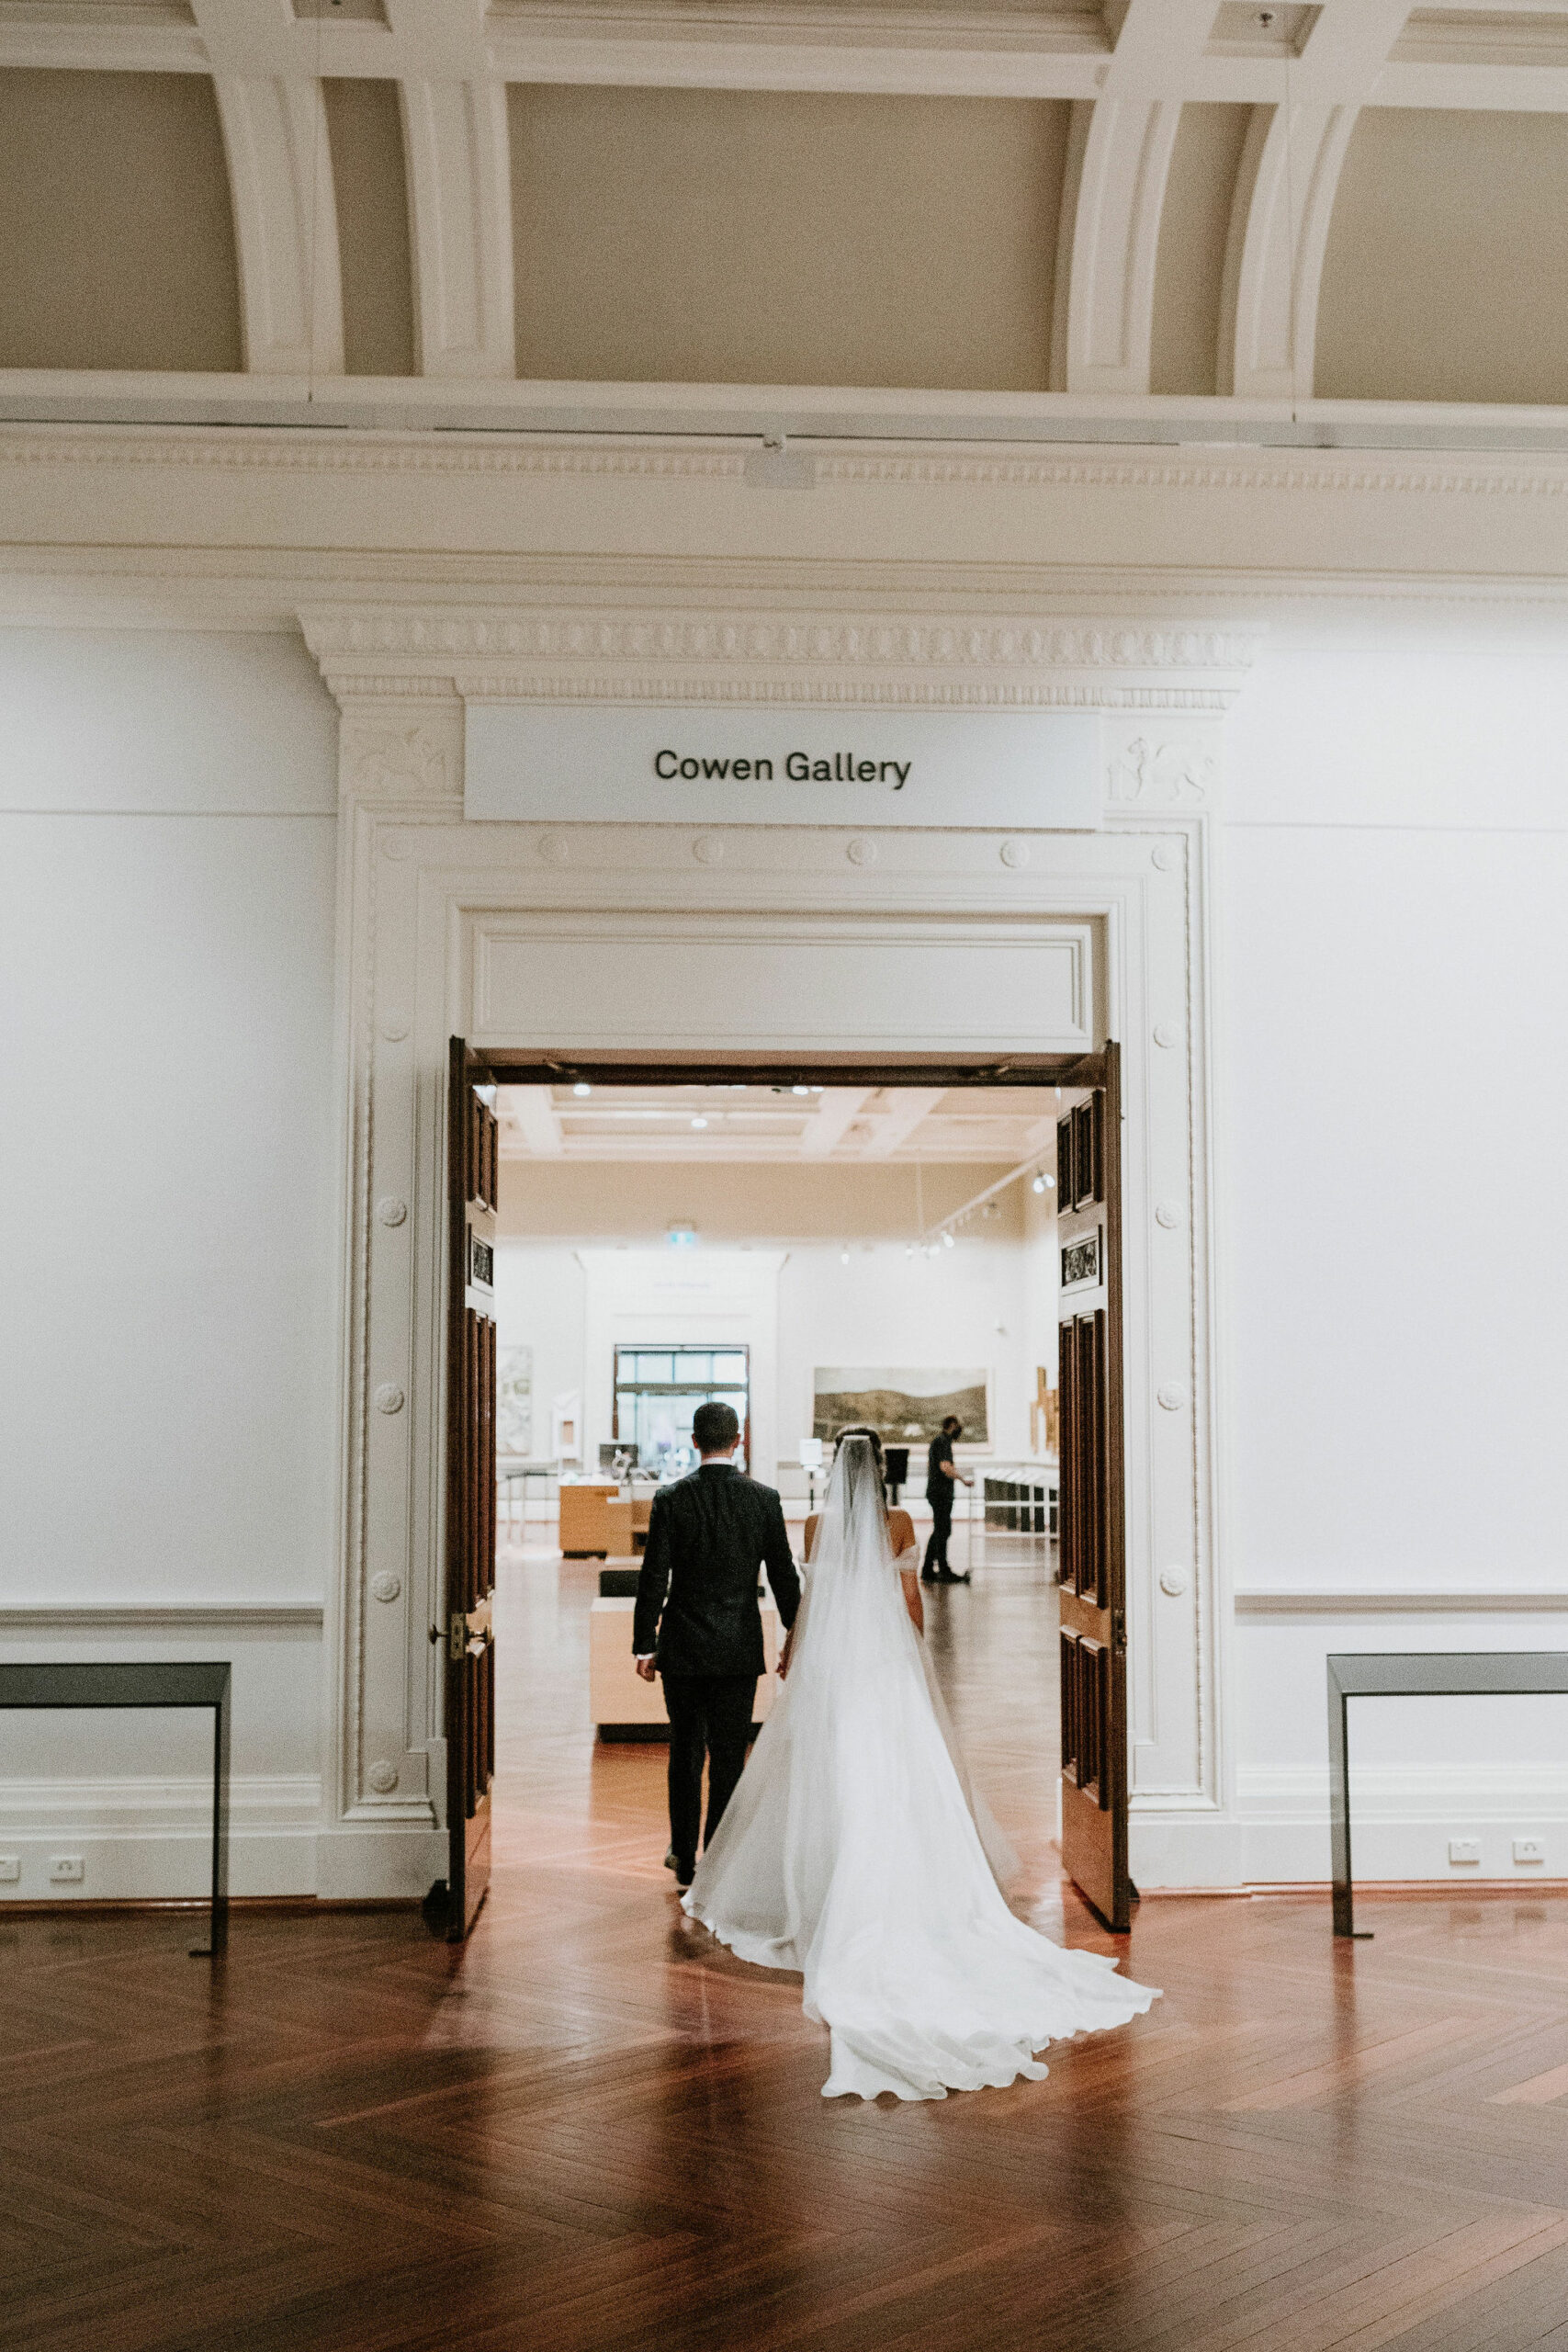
{"points": [[847, 1293], [1395, 1136], [167, 1218]]}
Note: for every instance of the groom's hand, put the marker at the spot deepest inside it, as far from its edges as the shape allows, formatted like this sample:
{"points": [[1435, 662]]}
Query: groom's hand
{"points": [[647, 1668]]}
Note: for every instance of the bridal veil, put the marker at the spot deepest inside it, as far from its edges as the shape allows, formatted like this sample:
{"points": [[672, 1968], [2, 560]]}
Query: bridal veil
{"points": [[853, 1851]]}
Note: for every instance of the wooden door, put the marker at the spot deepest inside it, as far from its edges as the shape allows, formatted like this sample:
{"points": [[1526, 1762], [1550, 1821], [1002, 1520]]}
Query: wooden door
{"points": [[472, 1169], [1092, 1513]]}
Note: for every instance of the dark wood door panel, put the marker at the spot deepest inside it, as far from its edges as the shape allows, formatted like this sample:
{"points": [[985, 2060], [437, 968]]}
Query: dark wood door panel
{"points": [[1092, 1514], [473, 1181]]}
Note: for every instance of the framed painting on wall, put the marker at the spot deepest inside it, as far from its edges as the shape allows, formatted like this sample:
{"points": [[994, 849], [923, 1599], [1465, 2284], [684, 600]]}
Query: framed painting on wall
{"points": [[514, 1401], [903, 1407]]}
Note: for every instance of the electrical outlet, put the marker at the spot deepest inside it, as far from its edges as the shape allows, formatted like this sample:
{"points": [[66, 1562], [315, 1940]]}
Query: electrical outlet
{"points": [[1529, 1849], [65, 1869], [10, 1869], [1464, 1849]]}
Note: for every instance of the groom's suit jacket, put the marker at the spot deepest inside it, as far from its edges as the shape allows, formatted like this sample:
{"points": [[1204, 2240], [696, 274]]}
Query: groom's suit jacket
{"points": [[707, 1536]]}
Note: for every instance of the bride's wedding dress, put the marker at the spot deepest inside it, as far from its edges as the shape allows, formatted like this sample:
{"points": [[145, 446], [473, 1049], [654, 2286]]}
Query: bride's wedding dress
{"points": [[851, 1850]]}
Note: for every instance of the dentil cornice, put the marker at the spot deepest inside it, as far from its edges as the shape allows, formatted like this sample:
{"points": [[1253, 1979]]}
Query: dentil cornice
{"points": [[944, 658]]}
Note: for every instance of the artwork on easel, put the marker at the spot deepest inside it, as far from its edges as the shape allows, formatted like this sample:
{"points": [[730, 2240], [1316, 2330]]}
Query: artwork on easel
{"points": [[514, 1401], [905, 1407]]}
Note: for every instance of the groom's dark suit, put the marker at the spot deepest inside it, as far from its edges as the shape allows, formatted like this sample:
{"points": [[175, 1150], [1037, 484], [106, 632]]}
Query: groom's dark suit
{"points": [[697, 1616]]}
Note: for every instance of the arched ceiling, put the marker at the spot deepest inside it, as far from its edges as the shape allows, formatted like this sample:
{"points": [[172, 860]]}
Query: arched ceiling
{"points": [[1146, 219]]}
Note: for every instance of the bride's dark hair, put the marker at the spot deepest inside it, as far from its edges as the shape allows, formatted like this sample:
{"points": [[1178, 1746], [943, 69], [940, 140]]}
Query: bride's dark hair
{"points": [[859, 1428]]}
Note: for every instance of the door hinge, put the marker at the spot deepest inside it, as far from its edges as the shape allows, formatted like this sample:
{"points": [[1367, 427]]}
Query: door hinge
{"points": [[1119, 1628]]}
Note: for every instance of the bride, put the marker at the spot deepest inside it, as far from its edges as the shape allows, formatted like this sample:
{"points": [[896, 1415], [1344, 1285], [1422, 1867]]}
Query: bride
{"points": [[852, 1848]]}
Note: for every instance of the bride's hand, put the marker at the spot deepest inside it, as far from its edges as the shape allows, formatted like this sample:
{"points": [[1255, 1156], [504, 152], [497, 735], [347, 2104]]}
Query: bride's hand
{"points": [[783, 1668]]}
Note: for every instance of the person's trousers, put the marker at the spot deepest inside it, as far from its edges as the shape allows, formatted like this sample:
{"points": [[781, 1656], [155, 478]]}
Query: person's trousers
{"points": [[941, 1528], [709, 1715]]}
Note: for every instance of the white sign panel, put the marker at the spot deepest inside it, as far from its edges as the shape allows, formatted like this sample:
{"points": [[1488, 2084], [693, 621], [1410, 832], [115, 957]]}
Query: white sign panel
{"points": [[667, 764]]}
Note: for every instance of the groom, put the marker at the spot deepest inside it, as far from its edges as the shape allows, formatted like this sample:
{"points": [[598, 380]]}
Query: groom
{"points": [[697, 1622]]}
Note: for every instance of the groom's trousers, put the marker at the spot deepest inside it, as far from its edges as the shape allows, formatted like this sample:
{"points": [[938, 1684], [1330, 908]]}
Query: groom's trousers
{"points": [[708, 1713]]}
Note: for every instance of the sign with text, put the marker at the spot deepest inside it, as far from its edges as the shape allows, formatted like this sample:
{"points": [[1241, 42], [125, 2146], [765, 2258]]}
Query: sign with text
{"points": [[636, 763]]}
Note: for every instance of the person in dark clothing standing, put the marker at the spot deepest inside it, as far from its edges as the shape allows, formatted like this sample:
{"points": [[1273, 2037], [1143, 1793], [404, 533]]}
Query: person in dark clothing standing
{"points": [[697, 1622], [941, 1478]]}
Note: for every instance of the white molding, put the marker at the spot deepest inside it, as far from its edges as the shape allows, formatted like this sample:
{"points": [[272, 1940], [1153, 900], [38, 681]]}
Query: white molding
{"points": [[280, 179], [455, 138], [144, 1838], [661, 450], [1118, 164], [131, 1616], [1431, 1603]]}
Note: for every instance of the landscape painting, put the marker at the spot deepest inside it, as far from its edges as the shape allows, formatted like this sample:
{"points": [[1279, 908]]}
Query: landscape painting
{"points": [[904, 1408]]}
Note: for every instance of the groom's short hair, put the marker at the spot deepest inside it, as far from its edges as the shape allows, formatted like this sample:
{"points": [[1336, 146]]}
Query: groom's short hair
{"points": [[713, 1427]]}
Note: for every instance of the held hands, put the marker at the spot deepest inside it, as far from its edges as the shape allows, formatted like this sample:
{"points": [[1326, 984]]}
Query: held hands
{"points": [[783, 1655]]}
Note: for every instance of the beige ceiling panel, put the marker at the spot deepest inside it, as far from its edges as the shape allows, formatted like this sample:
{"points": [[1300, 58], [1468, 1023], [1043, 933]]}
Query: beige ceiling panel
{"points": [[730, 236], [1446, 272], [1189, 266], [116, 238], [371, 181]]}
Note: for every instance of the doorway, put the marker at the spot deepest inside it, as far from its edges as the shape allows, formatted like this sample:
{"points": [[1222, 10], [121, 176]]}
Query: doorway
{"points": [[877, 1250]]}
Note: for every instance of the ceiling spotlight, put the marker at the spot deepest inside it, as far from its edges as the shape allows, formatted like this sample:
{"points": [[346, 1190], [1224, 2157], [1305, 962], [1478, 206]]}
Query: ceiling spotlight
{"points": [[908, 1248], [1038, 1183], [699, 1123], [947, 1240], [1050, 1183], [844, 1255], [582, 1088], [800, 1090]]}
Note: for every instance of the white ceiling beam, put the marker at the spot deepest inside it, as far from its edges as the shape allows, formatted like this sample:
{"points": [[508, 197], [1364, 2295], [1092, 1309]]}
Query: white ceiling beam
{"points": [[533, 1109], [460, 204], [825, 1128], [911, 1107], [1273, 268], [280, 180], [1118, 162]]}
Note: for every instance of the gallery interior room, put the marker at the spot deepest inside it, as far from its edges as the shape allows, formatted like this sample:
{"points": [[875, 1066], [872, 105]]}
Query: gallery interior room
{"points": [[781, 861]]}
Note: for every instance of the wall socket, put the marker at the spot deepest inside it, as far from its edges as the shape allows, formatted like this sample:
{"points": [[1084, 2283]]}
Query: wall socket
{"points": [[1529, 1849], [10, 1869], [1464, 1849], [65, 1869]]}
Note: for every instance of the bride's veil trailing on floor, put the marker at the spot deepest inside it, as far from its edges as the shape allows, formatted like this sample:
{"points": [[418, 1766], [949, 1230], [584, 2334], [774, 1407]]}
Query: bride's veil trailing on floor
{"points": [[850, 1851]]}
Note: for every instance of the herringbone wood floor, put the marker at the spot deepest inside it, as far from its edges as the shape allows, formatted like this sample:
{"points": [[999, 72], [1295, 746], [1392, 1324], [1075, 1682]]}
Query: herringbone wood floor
{"points": [[590, 2130]]}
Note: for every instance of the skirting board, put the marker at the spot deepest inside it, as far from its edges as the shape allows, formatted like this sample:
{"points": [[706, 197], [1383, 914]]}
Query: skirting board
{"points": [[139, 1838], [1401, 1823]]}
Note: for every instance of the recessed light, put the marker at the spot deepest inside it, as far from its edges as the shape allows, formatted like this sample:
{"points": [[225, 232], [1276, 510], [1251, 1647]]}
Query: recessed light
{"points": [[699, 1123], [582, 1088], [947, 1240]]}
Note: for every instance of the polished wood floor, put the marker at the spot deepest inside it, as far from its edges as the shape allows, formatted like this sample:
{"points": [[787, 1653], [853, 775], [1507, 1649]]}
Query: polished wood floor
{"points": [[590, 2130]]}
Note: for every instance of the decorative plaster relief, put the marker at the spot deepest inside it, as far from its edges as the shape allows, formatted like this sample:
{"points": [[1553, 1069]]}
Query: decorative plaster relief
{"points": [[396, 761], [1166, 1035], [383, 1777], [1173, 1582], [385, 1586], [1169, 1215], [1163, 774], [1172, 1395], [709, 850], [389, 1397], [862, 851], [391, 1210], [1015, 854]]}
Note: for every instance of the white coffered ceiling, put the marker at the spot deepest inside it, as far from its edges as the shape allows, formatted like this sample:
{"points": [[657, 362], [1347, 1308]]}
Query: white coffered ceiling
{"points": [[779, 1123]]}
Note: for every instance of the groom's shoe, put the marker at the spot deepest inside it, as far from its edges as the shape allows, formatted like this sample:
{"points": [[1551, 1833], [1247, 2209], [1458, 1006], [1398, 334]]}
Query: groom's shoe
{"points": [[929, 1575], [669, 1861], [684, 1874]]}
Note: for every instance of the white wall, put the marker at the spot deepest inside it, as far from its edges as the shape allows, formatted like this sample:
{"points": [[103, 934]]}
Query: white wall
{"points": [[167, 1222], [1396, 997], [985, 1301]]}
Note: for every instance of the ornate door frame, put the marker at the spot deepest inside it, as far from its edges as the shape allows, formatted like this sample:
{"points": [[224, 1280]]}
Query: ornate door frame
{"points": [[441, 922]]}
